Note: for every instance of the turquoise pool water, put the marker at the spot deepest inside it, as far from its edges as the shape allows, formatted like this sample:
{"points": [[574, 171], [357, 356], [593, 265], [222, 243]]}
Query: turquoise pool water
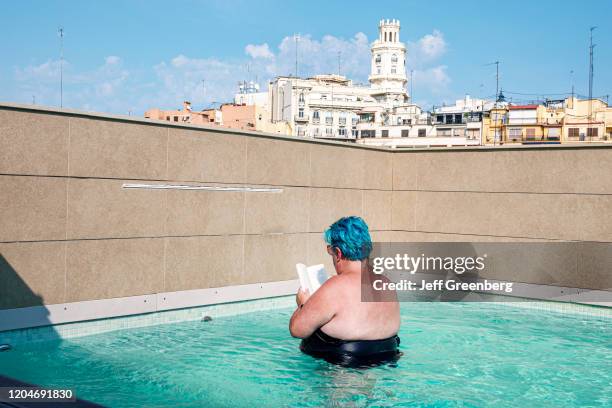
{"points": [[455, 354]]}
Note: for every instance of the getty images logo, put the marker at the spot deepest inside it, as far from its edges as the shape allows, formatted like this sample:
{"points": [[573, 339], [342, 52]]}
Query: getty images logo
{"points": [[423, 264]]}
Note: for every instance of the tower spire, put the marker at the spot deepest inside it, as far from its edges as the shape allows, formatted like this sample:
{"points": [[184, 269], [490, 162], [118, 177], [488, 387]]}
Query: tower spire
{"points": [[388, 66]]}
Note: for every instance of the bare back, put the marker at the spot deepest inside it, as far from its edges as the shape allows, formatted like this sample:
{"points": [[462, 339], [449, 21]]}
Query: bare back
{"points": [[354, 319]]}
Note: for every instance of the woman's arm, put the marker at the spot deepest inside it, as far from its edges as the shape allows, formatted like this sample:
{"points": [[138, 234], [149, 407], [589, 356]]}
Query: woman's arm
{"points": [[316, 311]]}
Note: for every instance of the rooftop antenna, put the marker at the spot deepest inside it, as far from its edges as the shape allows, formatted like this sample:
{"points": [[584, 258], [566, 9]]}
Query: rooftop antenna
{"points": [[60, 31], [297, 40], [33, 99], [572, 81], [339, 62], [591, 46], [496, 63]]}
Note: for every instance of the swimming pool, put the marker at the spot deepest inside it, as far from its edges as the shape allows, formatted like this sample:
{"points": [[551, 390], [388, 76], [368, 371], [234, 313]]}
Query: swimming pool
{"points": [[455, 354]]}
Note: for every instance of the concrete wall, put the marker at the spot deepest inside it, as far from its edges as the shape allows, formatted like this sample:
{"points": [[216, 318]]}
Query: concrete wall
{"points": [[69, 232]]}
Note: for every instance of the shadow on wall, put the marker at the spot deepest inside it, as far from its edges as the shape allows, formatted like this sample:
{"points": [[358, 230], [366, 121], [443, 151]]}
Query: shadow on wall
{"points": [[18, 302], [15, 367]]}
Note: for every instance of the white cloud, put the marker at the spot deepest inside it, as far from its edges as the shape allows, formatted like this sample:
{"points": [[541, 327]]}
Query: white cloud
{"points": [[435, 78], [259, 51], [180, 60], [111, 87], [112, 59], [426, 49], [181, 79], [433, 45], [321, 56], [97, 87], [45, 71]]}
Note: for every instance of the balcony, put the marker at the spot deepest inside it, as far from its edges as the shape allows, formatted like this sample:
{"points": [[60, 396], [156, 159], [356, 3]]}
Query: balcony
{"points": [[316, 120], [328, 103], [329, 121], [303, 118]]}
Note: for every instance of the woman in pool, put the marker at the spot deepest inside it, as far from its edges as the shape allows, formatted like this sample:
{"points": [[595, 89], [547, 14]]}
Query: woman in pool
{"points": [[335, 323]]}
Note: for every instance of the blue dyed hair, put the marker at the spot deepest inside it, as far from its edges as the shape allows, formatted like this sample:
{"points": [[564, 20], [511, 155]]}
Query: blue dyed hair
{"points": [[351, 235]]}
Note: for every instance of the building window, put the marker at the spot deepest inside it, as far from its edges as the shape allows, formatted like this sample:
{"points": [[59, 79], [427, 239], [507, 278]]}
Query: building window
{"points": [[342, 132], [439, 118], [300, 131], [515, 133], [393, 69], [592, 132], [329, 119], [445, 132], [573, 132], [366, 117], [385, 133], [378, 70], [324, 97], [449, 119], [422, 132], [378, 59], [368, 133], [472, 134], [530, 133], [316, 132], [329, 131], [458, 118], [405, 132], [301, 97], [354, 132], [301, 112], [315, 117], [394, 58], [554, 133]]}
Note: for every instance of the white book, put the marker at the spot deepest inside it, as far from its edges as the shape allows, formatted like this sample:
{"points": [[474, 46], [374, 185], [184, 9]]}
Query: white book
{"points": [[311, 277]]}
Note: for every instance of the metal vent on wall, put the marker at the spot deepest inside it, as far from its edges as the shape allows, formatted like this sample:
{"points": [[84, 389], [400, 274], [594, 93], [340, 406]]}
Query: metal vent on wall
{"points": [[205, 188]]}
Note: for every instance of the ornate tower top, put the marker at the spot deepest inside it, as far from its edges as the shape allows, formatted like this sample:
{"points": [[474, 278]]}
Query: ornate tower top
{"points": [[388, 30], [388, 67]]}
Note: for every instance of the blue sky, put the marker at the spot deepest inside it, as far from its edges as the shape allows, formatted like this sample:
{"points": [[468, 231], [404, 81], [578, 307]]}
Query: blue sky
{"points": [[128, 56]]}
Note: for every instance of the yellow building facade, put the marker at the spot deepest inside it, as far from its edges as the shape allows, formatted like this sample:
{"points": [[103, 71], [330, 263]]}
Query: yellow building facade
{"points": [[568, 121]]}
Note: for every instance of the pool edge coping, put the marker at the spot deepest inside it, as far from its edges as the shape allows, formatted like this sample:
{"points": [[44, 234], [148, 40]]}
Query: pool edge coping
{"points": [[62, 313]]}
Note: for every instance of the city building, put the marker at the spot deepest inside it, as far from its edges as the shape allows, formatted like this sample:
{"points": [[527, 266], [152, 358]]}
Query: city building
{"points": [[186, 115], [324, 106], [253, 108], [249, 111], [587, 120], [568, 120], [380, 113]]}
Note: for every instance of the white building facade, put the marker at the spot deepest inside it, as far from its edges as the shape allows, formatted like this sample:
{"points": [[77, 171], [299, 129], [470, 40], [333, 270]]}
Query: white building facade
{"points": [[381, 113]]}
